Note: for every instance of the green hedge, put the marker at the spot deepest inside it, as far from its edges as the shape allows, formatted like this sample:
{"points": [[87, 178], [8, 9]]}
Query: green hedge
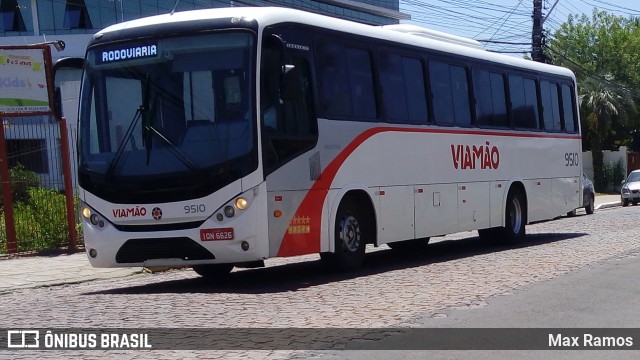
{"points": [[40, 222], [21, 181]]}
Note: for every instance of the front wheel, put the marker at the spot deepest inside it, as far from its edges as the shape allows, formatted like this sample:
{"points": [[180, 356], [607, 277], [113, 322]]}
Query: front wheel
{"points": [[351, 230], [625, 202]]}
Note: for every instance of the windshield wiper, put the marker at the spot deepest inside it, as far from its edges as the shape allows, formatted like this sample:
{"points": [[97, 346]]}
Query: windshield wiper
{"points": [[145, 113], [175, 150], [136, 117]]}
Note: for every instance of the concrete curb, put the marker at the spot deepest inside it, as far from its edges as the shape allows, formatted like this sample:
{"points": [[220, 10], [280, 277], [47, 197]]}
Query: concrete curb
{"points": [[608, 205]]}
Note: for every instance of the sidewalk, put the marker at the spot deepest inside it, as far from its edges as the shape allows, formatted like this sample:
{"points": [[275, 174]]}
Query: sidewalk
{"points": [[607, 201], [37, 271]]}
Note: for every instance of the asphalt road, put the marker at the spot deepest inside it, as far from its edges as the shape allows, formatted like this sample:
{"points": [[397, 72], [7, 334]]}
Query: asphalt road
{"points": [[570, 272]]}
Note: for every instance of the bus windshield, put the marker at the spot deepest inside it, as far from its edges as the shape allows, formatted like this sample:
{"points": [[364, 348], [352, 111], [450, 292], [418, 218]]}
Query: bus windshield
{"points": [[167, 116]]}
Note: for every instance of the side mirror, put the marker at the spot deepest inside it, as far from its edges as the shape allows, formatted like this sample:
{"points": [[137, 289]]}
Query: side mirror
{"points": [[290, 83]]}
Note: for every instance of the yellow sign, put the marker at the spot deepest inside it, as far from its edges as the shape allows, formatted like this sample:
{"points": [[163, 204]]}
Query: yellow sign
{"points": [[23, 81], [300, 225]]}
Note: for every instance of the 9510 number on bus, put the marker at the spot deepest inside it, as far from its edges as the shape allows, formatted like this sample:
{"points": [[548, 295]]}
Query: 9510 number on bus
{"points": [[571, 159]]}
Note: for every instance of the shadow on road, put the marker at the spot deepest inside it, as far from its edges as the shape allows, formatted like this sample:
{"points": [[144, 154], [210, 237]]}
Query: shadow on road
{"points": [[296, 276]]}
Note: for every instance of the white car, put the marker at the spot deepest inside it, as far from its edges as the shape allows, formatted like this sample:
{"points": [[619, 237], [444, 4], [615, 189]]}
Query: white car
{"points": [[630, 192]]}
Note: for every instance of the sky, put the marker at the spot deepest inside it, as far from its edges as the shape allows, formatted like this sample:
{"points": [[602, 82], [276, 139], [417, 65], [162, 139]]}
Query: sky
{"points": [[504, 20]]}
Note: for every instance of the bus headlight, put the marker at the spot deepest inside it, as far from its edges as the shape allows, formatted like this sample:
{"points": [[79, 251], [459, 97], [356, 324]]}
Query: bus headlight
{"points": [[236, 206], [241, 203], [91, 216]]}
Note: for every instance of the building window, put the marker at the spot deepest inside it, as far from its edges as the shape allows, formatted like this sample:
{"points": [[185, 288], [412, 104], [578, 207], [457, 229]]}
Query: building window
{"points": [[11, 16], [30, 153], [76, 15]]}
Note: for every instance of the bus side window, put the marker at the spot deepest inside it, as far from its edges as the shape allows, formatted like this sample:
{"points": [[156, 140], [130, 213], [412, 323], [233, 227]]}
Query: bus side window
{"points": [[491, 105], [288, 126], [568, 109], [403, 89], [298, 129], [360, 72], [450, 94], [524, 102], [550, 105], [346, 82], [334, 82]]}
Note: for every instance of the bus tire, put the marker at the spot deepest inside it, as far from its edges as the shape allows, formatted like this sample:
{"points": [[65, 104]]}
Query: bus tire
{"points": [[213, 271], [350, 233], [410, 245], [590, 208], [515, 217]]}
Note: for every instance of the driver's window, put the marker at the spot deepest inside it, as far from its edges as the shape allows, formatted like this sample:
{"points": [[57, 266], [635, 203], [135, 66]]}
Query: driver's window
{"points": [[289, 127]]}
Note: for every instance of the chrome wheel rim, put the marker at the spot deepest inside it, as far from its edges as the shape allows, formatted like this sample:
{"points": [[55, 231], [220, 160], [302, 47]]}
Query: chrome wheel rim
{"points": [[350, 233]]}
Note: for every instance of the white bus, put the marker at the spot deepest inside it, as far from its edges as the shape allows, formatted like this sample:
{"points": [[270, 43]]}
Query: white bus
{"points": [[224, 137]]}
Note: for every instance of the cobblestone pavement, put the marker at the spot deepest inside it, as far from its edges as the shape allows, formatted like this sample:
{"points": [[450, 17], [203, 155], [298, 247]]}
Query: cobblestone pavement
{"points": [[393, 290]]}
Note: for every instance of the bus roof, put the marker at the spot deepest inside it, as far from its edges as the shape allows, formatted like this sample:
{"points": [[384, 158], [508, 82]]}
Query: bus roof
{"points": [[401, 33]]}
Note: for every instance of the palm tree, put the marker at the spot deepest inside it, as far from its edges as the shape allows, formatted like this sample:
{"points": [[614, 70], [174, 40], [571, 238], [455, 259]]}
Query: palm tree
{"points": [[600, 105]]}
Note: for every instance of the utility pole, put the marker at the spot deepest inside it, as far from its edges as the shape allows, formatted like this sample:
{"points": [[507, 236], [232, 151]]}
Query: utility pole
{"points": [[537, 35]]}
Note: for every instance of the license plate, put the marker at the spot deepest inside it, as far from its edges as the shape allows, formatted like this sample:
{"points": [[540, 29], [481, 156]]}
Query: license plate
{"points": [[216, 234]]}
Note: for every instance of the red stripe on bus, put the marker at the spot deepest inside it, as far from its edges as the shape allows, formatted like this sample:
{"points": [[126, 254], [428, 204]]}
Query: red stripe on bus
{"points": [[308, 242], [311, 206]]}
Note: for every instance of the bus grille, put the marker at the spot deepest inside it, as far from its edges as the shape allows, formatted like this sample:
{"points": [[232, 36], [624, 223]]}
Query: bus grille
{"points": [[141, 250]]}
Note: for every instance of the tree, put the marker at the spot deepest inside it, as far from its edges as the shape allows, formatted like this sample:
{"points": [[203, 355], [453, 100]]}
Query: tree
{"points": [[599, 105], [603, 52]]}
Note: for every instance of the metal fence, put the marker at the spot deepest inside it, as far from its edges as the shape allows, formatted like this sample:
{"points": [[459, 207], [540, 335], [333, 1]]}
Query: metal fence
{"points": [[42, 205]]}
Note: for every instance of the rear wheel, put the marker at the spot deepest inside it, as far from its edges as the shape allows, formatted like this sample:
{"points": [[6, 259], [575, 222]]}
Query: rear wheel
{"points": [[515, 217], [213, 271], [350, 233], [590, 206]]}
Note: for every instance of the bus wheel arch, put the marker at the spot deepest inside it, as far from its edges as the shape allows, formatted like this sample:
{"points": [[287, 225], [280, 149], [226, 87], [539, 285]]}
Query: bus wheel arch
{"points": [[353, 227]]}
